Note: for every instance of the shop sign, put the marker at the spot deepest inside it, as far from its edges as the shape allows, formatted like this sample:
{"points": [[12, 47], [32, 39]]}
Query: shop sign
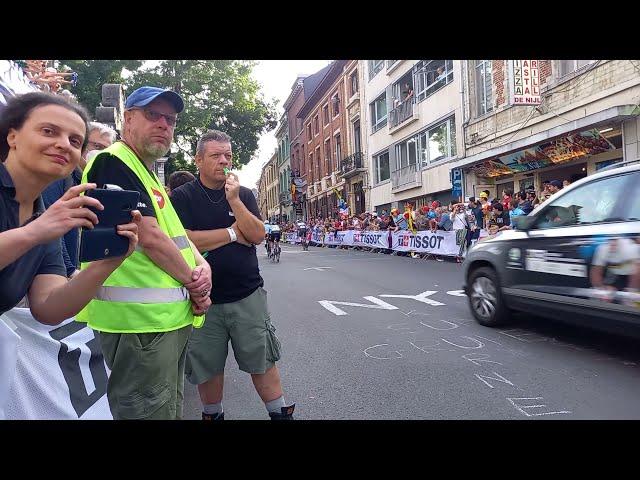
{"points": [[525, 82]]}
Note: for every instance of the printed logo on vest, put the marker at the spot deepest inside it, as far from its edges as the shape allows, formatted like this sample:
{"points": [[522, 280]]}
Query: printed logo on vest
{"points": [[159, 197]]}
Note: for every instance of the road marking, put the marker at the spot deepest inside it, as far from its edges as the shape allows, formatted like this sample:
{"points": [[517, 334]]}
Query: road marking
{"points": [[379, 304], [457, 293], [320, 269], [421, 297]]}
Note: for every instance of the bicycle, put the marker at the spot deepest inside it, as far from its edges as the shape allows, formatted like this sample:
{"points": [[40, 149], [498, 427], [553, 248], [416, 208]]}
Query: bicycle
{"points": [[276, 253]]}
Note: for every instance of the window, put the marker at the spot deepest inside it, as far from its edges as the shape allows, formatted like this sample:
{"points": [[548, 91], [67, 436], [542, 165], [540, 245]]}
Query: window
{"points": [[327, 154], [316, 125], [590, 203], [335, 101], [318, 162], [309, 136], [379, 112], [431, 75], [313, 178], [437, 143], [391, 63], [374, 67], [353, 83], [338, 149], [483, 86], [406, 153], [381, 167], [568, 66], [325, 114]]}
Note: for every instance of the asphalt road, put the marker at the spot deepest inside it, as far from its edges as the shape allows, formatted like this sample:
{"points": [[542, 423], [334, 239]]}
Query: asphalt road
{"points": [[425, 358]]}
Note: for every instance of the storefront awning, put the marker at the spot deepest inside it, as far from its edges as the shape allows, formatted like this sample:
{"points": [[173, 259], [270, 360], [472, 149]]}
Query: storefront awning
{"points": [[619, 113]]}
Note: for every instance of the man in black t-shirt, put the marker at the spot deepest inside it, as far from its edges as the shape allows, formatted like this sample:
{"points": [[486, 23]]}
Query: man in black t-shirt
{"points": [[223, 220]]}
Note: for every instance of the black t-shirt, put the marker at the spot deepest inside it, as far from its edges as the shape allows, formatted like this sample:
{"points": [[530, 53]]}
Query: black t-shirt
{"points": [[16, 278], [108, 169], [235, 271], [503, 219]]}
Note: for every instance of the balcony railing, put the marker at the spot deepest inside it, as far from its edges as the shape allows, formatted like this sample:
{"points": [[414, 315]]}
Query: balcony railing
{"points": [[318, 186], [407, 177], [403, 112], [351, 164]]}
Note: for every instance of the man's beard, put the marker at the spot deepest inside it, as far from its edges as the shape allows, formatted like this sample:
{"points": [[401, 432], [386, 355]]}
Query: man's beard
{"points": [[156, 150]]}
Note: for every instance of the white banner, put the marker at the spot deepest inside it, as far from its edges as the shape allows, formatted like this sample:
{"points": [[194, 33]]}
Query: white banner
{"points": [[59, 373], [13, 81], [292, 238], [342, 237], [371, 239], [317, 238], [440, 243]]}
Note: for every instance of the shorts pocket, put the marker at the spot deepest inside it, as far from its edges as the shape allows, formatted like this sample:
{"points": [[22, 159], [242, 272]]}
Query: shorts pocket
{"points": [[149, 340], [273, 344], [143, 403]]}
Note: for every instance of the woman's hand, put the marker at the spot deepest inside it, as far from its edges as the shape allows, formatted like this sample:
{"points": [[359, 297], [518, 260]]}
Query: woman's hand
{"points": [[69, 212]]}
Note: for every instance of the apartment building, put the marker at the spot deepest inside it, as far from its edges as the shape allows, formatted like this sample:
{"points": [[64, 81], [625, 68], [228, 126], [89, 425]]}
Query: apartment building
{"points": [[412, 110]]}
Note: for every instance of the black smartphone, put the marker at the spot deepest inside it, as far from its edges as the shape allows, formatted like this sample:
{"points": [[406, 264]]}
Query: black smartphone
{"points": [[103, 240]]}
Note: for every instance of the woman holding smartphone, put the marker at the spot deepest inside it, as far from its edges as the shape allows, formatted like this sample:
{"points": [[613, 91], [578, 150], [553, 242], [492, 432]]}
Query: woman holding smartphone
{"points": [[42, 137]]}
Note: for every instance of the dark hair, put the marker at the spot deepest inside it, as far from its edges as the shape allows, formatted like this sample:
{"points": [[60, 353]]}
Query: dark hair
{"points": [[487, 192], [508, 191], [211, 136], [18, 109], [179, 178], [472, 199], [498, 206], [522, 195]]}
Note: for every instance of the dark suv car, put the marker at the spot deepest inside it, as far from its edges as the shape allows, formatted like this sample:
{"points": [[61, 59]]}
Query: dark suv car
{"points": [[575, 258]]}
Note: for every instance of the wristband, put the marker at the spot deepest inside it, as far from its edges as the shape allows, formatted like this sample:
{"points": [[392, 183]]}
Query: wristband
{"points": [[232, 234]]}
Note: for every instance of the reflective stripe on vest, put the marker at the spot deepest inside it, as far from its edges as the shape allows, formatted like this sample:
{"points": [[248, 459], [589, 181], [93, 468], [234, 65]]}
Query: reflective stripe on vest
{"points": [[142, 295], [181, 242]]}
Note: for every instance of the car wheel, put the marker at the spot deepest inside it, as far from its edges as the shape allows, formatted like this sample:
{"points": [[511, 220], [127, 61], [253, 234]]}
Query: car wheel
{"points": [[485, 298]]}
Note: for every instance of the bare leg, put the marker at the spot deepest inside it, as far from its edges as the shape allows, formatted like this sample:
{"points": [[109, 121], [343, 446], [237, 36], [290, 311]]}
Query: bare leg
{"points": [[267, 384], [211, 390]]}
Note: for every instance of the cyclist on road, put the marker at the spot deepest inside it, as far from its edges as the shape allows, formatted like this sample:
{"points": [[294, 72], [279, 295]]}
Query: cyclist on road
{"points": [[267, 231], [302, 232], [274, 236]]}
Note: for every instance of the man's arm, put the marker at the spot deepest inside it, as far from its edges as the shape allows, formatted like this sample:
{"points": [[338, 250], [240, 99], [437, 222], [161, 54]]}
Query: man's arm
{"points": [[249, 223], [162, 251], [206, 240]]}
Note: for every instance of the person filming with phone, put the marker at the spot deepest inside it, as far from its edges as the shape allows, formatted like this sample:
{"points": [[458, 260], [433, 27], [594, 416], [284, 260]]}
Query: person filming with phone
{"points": [[42, 137], [144, 313]]}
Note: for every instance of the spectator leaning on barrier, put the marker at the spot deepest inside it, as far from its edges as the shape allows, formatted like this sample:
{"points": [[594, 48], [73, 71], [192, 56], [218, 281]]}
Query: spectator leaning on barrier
{"points": [[145, 314], [524, 203]]}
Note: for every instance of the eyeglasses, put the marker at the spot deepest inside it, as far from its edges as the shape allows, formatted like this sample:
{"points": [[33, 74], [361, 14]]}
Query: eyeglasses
{"points": [[154, 116], [96, 146]]}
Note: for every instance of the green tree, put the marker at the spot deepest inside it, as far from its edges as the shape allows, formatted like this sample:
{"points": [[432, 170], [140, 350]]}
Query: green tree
{"points": [[92, 74], [218, 94]]}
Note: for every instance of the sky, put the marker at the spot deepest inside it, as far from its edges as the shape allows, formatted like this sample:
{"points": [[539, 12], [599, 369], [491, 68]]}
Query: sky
{"points": [[276, 78]]}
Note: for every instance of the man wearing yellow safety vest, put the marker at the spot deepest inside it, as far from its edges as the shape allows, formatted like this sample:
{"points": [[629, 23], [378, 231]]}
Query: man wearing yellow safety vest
{"points": [[145, 310]]}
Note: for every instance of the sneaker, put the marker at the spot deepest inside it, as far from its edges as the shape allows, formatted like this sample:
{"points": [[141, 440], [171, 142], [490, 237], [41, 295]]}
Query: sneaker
{"points": [[214, 416], [286, 413]]}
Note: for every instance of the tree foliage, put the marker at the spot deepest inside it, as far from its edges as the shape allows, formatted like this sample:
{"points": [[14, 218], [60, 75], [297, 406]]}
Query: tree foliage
{"points": [[92, 74], [218, 94]]}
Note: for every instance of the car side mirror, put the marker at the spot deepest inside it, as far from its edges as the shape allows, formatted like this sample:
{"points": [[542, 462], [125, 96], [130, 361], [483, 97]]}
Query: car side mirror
{"points": [[524, 223]]}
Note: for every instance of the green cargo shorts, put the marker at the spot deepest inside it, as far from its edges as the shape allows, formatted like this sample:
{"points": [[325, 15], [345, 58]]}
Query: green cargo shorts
{"points": [[147, 373], [248, 325]]}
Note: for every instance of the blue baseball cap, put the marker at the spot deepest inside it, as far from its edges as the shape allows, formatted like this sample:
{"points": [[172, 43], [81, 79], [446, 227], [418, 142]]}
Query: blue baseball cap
{"points": [[143, 96]]}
